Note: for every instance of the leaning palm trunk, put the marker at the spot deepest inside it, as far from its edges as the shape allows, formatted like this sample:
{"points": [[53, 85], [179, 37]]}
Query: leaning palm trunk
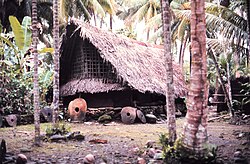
{"points": [[195, 128], [56, 60], [35, 79], [225, 90], [182, 50], [170, 105], [229, 89]]}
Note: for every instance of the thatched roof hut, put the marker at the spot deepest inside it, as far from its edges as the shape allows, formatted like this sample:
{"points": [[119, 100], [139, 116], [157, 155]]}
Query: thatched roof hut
{"points": [[127, 63]]}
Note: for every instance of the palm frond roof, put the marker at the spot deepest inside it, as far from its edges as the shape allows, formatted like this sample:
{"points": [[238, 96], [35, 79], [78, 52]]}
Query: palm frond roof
{"points": [[141, 65]]}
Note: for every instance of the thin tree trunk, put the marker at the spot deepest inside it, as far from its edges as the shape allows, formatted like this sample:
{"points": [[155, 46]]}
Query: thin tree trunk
{"points": [[95, 19], [229, 89], [182, 51], [148, 31], [230, 108], [35, 79], [195, 128], [170, 105], [56, 61], [229, 84], [111, 22], [216, 89], [101, 22]]}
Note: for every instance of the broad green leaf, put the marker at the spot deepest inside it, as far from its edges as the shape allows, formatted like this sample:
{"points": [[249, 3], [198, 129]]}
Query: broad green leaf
{"points": [[26, 23], [18, 32], [45, 50]]}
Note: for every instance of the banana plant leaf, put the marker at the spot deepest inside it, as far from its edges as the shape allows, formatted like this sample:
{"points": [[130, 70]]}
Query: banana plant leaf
{"points": [[26, 23], [18, 32]]}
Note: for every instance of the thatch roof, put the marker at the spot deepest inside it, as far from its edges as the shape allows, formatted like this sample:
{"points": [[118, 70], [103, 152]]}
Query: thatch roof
{"points": [[140, 65]]}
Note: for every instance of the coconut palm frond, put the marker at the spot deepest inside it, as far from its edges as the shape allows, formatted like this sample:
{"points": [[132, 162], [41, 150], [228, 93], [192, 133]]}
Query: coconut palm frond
{"points": [[155, 22], [226, 14], [62, 10], [217, 24], [215, 45], [182, 27], [140, 14], [237, 4], [127, 14], [107, 6], [150, 12], [82, 10], [226, 28], [218, 46], [133, 3], [96, 7], [221, 11], [181, 14]]}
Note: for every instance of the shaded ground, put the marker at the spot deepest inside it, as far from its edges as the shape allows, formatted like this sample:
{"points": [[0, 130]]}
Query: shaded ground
{"points": [[125, 142]]}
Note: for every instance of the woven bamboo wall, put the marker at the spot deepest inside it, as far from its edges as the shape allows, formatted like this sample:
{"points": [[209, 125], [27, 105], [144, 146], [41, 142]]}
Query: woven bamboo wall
{"points": [[87, 63]]}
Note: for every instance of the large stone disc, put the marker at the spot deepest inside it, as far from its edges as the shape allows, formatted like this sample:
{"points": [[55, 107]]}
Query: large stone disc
{"points": [[47, 113], [128, 115], [77, 109], [11, 120], [141, 116]]}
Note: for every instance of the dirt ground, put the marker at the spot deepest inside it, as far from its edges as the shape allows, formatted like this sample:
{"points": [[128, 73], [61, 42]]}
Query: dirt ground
{"points": [[125, 143]]}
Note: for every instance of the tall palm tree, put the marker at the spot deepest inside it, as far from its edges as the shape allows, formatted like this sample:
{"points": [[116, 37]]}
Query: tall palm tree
{"points": [[170, 105], [195, 128], [56, 60], [36, 85]]}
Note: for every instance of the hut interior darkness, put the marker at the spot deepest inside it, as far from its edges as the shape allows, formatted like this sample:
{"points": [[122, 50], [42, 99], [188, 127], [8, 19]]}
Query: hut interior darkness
{"points": [[108, 70]]}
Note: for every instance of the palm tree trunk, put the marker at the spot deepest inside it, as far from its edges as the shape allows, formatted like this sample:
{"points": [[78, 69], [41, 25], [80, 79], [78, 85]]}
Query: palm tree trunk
{"points": [[36, 86], [195, 128], [170, 105], [56, 60]]}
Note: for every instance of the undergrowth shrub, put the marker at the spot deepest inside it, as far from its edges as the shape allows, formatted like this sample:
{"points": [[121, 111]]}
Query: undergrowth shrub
{"points": [[178, 154], [60, 128]]}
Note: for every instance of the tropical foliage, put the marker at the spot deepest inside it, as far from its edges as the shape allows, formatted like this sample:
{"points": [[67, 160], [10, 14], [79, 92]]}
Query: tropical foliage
{"points": [[17, 67]]}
